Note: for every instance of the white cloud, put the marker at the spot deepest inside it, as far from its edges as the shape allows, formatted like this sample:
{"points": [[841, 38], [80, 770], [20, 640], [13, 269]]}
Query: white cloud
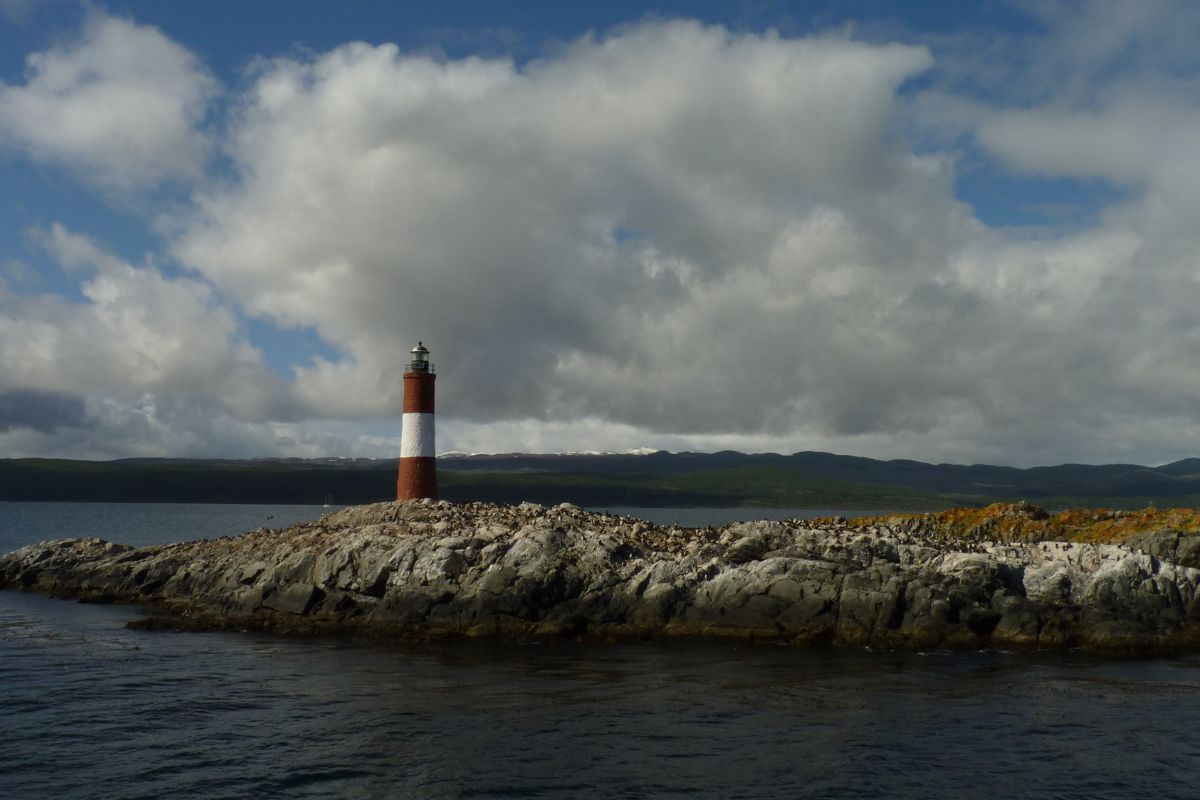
{"points": [[121, 105], [1130, 141], [544, 225], [147, 353], [670, 236], [701, 237], [137, 330]]}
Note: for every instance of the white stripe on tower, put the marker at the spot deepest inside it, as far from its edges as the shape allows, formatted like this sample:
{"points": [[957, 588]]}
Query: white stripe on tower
{"points": [[416, 436]]}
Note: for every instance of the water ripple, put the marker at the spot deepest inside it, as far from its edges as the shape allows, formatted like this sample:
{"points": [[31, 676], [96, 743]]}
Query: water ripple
{"points": [[92, 709]]}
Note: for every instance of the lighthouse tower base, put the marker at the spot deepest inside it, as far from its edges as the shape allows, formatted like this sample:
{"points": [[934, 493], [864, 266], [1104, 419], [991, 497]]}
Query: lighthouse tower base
{"points": [[418, 479]]}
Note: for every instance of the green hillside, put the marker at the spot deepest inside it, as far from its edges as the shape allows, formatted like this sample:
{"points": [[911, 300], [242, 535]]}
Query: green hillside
{"points": [[761, 486], [801, 480]]}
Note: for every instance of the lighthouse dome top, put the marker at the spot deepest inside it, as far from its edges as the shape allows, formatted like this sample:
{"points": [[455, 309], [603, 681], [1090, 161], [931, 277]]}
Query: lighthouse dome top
{"points": [[420, 358]]}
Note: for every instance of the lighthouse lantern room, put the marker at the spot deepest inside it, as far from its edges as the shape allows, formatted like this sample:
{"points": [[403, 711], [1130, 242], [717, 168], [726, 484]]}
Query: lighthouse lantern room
{"points": [[420, 359]]}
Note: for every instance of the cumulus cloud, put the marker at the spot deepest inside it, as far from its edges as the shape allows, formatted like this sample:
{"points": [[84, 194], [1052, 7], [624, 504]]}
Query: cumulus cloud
{"points": [[670, 235], [594, 234], [707, 238], [121, 105], [1109, 311], [136, 330], [140, 353]]}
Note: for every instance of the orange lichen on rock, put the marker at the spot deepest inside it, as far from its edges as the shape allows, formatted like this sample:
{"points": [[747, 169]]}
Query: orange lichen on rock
{"points": [[1025, 522], [1104, 527]]}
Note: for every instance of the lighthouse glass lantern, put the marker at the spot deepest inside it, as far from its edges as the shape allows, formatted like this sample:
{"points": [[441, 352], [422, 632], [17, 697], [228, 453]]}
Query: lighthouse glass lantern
{"points": [[420, 359]]}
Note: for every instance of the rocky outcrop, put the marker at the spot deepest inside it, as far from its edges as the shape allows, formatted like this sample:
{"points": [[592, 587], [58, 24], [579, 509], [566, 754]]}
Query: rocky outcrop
{"points": [[433, 569]]}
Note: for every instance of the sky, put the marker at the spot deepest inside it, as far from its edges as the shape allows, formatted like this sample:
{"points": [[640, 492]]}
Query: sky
{"points": [[964, 232]]}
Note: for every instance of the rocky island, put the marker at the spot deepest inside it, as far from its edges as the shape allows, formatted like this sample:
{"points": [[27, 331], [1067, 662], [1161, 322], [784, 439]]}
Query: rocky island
{"points": [[1008, 576]]}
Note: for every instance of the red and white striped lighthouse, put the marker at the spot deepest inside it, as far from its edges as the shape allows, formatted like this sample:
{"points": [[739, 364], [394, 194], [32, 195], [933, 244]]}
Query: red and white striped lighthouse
{"points": [[418, 463]]}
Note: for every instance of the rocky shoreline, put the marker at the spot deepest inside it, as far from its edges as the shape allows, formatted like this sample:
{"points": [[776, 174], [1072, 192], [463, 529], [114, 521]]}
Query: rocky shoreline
{"points": [[424, 569]]}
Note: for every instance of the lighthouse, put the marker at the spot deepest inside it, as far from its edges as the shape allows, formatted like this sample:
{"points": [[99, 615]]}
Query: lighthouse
{"points": [[418, 463]]}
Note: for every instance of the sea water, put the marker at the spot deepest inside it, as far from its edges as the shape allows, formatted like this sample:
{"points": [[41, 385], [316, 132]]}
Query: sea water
{"points": [[89, 708]]}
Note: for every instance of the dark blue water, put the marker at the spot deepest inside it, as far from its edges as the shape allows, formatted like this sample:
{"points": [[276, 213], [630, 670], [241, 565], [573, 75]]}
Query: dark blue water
{"points": [[91, 709], [141, 524]]}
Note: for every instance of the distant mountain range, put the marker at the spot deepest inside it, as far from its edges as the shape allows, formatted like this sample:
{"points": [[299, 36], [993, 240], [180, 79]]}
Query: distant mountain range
{"points": [[727, 478]]}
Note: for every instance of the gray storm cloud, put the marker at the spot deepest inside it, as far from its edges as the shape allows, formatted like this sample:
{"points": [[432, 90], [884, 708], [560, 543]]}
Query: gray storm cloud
{"points": [[41, 411]]}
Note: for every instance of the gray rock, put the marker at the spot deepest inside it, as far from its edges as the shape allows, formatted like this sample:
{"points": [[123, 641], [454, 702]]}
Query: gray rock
{"points": [[295, 599], [425, 569]]}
